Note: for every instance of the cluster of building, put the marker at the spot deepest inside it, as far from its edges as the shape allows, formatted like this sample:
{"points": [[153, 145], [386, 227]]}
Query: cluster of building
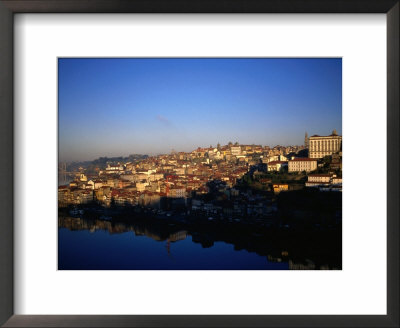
{"points": [[180, 179], [325, 182]]}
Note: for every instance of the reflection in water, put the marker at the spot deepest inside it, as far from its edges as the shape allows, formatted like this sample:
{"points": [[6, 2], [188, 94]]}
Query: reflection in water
{"points": [[102, 244], [73, 223]]}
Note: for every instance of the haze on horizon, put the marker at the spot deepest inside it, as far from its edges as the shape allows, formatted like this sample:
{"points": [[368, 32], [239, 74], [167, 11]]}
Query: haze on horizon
{"points": [[116, 107]]}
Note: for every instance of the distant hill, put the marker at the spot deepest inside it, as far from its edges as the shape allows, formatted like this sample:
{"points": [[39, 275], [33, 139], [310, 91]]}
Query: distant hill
{"points": [[102, 162]]}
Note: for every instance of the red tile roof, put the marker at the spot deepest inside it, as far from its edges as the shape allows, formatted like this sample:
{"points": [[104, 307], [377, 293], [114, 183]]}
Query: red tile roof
{"points": [[320, 175], [304, 159], [277, 162]]}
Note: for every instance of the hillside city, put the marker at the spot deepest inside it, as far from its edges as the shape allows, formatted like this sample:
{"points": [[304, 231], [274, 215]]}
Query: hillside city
{"points": [[232, 182]]}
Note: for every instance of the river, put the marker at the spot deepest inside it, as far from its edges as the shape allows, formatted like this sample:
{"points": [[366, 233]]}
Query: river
{"points": [[149, 244], [101, 245]]}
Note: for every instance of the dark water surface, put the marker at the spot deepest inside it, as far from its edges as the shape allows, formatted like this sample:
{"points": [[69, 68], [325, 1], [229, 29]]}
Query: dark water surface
{"points": [[144, 243], [94, 247]]}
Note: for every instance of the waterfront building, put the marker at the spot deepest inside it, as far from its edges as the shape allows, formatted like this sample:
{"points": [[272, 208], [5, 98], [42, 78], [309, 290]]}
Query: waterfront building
{"points": [[150, 199], [337, 180], [278, 187], [308, 265], [325, 182], [315, 180], [320, 146], [302, 164]]}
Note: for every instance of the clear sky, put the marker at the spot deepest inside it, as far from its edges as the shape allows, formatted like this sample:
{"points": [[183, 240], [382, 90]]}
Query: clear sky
{"points": [[116, 107]]}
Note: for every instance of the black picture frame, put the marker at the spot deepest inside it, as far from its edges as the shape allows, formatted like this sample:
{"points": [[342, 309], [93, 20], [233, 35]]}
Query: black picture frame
{"points": [[7, 10]]}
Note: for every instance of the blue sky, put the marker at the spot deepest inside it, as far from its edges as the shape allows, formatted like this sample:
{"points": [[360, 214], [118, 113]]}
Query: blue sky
{"points": [[116, 107]]}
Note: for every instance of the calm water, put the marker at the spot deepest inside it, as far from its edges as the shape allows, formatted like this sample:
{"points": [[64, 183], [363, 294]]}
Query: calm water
{"points": [[92, 247]]}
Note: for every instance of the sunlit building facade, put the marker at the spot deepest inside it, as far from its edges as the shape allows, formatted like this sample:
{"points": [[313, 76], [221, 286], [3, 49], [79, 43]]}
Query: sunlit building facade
{"points": [[302, 164], [320, 146]]}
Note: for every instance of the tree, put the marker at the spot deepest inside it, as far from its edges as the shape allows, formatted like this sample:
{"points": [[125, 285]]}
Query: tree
{"points": [[236, 143], [230, 143], [112, 203], [218, 146], [327, 160]]}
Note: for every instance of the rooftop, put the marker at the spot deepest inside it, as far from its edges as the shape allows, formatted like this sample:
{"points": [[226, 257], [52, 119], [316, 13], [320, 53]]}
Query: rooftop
{"points": [[303, 159], [277, 162]]}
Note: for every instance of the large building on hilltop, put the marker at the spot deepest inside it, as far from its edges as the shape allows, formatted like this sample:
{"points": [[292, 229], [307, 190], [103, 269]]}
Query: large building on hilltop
{"points": [[302, 164], [320, 146]]}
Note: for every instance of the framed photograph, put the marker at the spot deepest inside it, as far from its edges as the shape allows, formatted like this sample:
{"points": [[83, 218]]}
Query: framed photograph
{"points": [[201, 164], [178, 203]]}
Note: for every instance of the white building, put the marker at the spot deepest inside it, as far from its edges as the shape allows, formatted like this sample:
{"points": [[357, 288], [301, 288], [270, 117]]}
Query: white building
{"points": [[337, 180], [110, 169], [319, 179], [302, 164], [276, 165], [236, 150], [320, 146]]}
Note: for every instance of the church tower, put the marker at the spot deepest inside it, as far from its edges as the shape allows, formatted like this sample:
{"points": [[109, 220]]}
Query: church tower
{"points": [[306, 140]]}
